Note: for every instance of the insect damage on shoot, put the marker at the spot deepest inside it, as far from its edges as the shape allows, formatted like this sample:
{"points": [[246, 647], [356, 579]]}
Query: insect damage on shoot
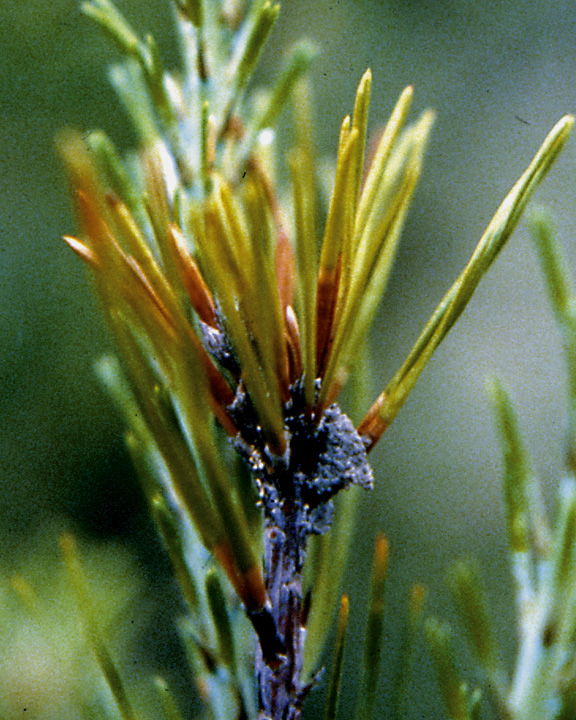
{"points": [[323, 458]]}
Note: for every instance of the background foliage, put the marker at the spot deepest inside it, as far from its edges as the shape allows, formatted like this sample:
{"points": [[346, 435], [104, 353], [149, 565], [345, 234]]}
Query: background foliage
{"points": [[499, 74]]}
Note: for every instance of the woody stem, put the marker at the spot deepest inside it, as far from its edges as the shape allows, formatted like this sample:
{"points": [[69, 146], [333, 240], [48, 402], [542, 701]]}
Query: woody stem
{"points": [[279, 681]]}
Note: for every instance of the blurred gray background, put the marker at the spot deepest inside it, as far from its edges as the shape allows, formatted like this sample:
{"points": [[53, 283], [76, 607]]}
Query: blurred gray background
{"points": [[499, 75]]}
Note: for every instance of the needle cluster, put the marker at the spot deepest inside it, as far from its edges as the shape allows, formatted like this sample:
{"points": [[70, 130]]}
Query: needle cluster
{"points": [[239, 308]]}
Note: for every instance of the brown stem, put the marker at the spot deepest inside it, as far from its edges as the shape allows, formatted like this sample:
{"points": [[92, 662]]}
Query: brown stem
{"points": [[280, 689]]}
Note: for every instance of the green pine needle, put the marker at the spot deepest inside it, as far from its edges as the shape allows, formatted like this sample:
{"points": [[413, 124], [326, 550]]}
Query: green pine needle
{"points": [[338, 661]]}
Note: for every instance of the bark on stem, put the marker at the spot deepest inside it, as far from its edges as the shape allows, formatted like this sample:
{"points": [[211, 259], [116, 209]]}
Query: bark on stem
{"points": [[281, 692], [295, 492]]}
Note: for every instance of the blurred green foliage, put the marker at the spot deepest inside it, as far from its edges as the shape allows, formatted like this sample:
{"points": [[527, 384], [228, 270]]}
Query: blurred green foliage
{"points": [[497, 72]]}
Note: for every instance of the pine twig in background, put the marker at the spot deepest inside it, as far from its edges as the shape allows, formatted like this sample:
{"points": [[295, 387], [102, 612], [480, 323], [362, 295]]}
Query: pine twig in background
{"points": [[542, 551]]}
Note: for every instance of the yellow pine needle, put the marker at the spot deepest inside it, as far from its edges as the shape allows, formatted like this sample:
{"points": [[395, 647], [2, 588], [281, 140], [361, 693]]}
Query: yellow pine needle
{"points": [[357, 231], [165, 318], [373, 252], [92, 626], [242, 276], [448, 311], [242, 321], [131, 278], [360, 122], [385, 146], [240, 238], [207, 148], [338, 662], [268, 330], [361, 306], [301, 162], [130, 236], [156, 193], [392, 195], [342, 201], [336, 238]]}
